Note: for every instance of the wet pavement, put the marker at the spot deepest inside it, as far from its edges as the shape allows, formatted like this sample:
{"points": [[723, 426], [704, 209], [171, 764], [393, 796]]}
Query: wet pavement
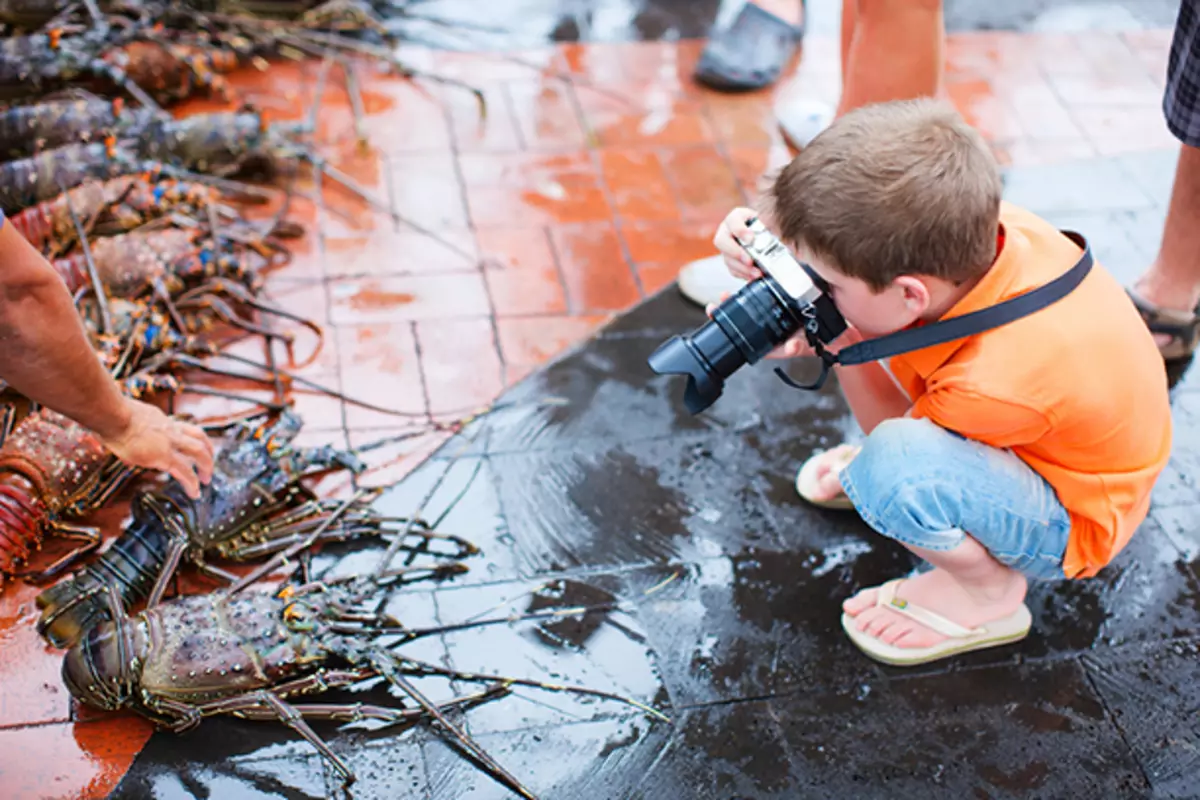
{"points": [[599, 169], [728, 590]]}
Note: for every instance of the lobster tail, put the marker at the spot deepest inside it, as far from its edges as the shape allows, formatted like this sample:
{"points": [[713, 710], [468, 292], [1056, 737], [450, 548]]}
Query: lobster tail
{"points": [[35, 224], [21, 512], [130, 565]]}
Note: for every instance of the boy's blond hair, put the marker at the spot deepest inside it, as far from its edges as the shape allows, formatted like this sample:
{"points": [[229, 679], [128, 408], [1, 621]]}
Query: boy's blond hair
{"points": [[891, 189]]}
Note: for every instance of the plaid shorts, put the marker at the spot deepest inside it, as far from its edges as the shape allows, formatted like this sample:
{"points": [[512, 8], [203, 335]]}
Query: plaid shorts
{"points": [[1181, 101]]}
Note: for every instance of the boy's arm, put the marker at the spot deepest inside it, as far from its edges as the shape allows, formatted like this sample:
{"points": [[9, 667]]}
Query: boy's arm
{"points": [[872, 394], [45, 355]]}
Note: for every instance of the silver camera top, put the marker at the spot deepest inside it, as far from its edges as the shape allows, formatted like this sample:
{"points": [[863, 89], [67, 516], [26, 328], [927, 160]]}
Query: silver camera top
{"points": [[777, 261]]}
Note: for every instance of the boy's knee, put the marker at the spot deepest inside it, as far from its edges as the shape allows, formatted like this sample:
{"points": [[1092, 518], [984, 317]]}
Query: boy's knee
{"points": [[899, 459], [916, 440]]}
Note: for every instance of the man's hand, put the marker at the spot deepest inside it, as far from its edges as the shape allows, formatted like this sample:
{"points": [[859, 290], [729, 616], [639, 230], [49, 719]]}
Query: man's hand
{"points": [[152, 440]]}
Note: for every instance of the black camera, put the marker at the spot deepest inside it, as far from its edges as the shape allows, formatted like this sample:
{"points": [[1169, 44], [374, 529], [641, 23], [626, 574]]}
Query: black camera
{"points": [[764, 314]]}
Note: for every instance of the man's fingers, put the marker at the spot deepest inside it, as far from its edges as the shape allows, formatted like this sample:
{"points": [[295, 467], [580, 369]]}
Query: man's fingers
{"points": [[183, 471], [196, 455]]}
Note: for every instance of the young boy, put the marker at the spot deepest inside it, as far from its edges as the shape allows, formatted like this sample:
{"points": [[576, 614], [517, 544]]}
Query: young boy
{"points": [[1025, 452]]}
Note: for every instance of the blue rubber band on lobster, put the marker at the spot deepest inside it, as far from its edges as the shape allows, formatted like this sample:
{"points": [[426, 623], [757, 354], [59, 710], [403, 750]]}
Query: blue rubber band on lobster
{"points": [[205, 256], [159, 191], [151, 335]]}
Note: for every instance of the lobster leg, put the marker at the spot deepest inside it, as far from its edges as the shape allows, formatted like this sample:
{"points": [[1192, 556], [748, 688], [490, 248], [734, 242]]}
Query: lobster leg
{"points": [[175, 550], [216, 573], [7, 417], [389, 667], [360, 711], [274, 708], [91, 540]]}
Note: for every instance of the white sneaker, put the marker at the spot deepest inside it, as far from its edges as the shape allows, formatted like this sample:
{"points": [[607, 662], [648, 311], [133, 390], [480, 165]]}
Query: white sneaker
{"points": [[800, 119], [707, 280]]}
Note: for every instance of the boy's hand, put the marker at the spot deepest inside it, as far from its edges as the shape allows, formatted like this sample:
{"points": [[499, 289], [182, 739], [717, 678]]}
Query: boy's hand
{"points": [[737, 260], [798, 345]]}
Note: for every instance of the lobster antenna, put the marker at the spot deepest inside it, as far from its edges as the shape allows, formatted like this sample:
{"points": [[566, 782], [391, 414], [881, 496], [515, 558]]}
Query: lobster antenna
{"points": [[106, 324]]}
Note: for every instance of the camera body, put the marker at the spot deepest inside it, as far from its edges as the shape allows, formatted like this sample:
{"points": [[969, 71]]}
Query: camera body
{"points": [[762, 315]]}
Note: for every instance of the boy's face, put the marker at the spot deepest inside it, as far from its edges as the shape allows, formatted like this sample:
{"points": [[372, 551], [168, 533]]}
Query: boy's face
{"points": [[872, 313]]}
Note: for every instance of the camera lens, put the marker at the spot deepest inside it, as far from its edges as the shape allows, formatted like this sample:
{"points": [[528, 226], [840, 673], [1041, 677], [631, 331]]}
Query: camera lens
{"points": [[742, 330]]}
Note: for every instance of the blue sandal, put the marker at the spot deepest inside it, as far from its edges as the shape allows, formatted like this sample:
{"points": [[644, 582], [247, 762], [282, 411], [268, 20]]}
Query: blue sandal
{"points": [[750, 53]]}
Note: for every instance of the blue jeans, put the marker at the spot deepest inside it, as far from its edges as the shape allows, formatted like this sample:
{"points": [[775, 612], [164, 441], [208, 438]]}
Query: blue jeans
{"points": [[927, 487]]}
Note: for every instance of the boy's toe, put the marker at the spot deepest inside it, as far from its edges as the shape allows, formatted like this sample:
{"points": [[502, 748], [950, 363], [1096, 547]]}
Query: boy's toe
{"points": [[860, 602]]}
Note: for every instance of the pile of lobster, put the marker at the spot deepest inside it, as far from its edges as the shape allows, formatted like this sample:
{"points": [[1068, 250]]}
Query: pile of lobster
{"points": [[146, 217]]}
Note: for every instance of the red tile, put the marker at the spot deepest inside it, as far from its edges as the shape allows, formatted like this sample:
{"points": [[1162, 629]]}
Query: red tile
{"points": [[402, 116], [981, 108], [461, 364], [86, 759], [31, 687], [1034, 152], [1107, 53], [312, 356], [305, 264], [534, 340], [427, 191], [1115, 129], [380, 365], [309, 301], [655, 277], [1152, 48], [545, 114], [521, 271], [743, 119], [1120, 89], [638, 184], [474, 68], [397, 452], [1037, 109], [658, 65], [705, 184], [754, 166], [401, 251], [392, 299], [535, 189], [637, 116], [978, 55], [490, 128], [668, 242], [594, 268]]}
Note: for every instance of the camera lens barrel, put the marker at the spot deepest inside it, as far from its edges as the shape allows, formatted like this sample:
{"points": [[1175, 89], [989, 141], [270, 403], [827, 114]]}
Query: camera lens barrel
{"points": [[756, 320]]}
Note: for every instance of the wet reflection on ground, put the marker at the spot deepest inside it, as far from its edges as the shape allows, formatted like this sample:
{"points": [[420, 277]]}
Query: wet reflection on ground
{"points": [[714, 596]]}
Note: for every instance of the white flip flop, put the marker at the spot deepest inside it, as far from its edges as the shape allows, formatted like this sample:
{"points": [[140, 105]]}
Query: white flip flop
{"points": [[1006, 630], [806, 478]]}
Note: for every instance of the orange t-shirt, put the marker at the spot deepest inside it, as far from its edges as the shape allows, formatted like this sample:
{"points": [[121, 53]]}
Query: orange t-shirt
{"points": [[1077, 390]]}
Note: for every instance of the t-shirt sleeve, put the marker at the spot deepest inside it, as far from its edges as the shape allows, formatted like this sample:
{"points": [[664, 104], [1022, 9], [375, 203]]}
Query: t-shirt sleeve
{"points": [[999, 423]]}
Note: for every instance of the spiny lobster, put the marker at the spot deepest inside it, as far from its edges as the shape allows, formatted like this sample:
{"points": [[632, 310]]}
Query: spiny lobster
{"points": [[255, 506]]}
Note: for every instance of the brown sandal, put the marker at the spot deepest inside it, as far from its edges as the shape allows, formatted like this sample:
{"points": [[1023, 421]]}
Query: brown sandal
{"points": [[1182, 326]]}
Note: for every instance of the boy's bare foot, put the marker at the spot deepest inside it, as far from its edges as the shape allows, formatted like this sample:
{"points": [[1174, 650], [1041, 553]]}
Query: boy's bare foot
{"points": [[828, 467], [940, 593]]}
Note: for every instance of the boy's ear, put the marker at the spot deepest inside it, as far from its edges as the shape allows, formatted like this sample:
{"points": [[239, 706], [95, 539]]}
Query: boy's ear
{"points": [[914, 293]]}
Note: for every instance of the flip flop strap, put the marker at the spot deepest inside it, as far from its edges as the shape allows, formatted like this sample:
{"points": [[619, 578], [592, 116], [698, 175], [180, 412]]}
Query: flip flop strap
{"points": [[935, 622]]}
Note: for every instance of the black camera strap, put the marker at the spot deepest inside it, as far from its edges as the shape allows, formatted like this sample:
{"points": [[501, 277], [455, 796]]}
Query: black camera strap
{"points": [[949, 330]]}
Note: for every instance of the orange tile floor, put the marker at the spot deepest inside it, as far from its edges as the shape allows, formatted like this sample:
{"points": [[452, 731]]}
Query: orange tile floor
{"points": [[596, 173]]}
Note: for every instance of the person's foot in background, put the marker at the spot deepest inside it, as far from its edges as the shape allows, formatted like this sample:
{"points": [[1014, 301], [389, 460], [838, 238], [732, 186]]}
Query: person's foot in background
{"points": [[889, 51], [753, 50]]}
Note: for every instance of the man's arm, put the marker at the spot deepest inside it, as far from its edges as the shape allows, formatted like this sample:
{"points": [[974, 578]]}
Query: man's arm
{"points": [[44, 350], [45, 355]]}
